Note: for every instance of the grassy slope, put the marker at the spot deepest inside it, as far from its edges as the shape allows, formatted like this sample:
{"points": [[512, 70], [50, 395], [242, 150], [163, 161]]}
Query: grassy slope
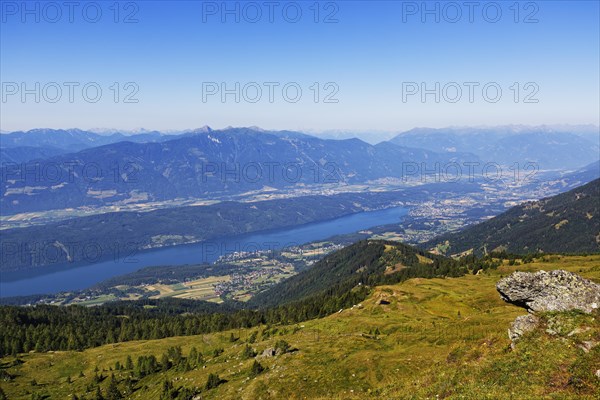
{"points": [[443, 337]]}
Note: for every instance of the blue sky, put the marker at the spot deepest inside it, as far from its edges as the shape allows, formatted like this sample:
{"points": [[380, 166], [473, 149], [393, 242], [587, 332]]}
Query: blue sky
{"points": [[367, 57]]}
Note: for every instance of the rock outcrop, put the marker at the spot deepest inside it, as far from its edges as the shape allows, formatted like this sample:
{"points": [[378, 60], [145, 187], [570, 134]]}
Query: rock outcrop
{"points": [[546, 291], [550, 291], [270, 352], [521, 325]]}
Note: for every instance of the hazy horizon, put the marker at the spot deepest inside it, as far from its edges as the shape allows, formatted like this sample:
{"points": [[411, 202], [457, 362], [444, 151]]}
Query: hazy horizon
{"points": [[382, 66]]}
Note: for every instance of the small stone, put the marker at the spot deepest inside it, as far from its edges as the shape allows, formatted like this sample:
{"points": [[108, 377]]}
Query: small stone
{"points": [[588, 345], [521, 325], [577, 331]]}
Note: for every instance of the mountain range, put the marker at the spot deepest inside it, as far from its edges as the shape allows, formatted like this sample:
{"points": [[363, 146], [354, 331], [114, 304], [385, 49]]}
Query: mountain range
{"points": [[204, 165], [69, 140], [550, 148], [46, 169]]}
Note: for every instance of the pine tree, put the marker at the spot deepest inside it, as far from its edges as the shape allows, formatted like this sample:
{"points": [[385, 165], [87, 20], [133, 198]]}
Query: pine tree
{"points": [[193, 357], [213, 381], [256, 369], [248, 352], [165, 363], [99, 394], [167, 391], [113, 392]]}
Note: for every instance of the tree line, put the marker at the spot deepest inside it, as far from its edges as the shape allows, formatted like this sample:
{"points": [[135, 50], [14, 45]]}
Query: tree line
{"points": [[356, 270]]}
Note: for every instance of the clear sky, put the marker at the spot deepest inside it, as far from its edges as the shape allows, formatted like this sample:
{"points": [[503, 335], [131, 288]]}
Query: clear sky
{"points": [[374, 58]]}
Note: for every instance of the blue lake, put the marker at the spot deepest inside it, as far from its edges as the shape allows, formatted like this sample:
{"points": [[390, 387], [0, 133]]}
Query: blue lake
{"points": [[68, 277]]}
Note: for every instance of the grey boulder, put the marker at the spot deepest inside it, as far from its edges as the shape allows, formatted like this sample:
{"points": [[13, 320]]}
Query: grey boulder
{"points": [[557, 290]]}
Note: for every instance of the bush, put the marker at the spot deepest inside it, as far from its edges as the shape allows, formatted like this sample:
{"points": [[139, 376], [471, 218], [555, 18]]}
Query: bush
{"points": [[217, 352], [282, 345]]}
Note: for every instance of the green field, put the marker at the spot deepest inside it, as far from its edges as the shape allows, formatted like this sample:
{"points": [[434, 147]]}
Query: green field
{"points": [[437, 338], [199, 289]]}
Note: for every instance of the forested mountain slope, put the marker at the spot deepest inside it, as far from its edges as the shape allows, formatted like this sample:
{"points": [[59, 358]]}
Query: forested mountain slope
{"points": [[565, 223]]}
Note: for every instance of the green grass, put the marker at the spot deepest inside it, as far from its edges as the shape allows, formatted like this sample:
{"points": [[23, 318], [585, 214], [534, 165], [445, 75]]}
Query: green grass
{"points": [[437, 337]]}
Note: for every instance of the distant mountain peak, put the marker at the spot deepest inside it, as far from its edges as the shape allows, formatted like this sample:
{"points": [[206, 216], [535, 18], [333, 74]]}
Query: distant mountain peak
{"points": [[204, 129]]}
